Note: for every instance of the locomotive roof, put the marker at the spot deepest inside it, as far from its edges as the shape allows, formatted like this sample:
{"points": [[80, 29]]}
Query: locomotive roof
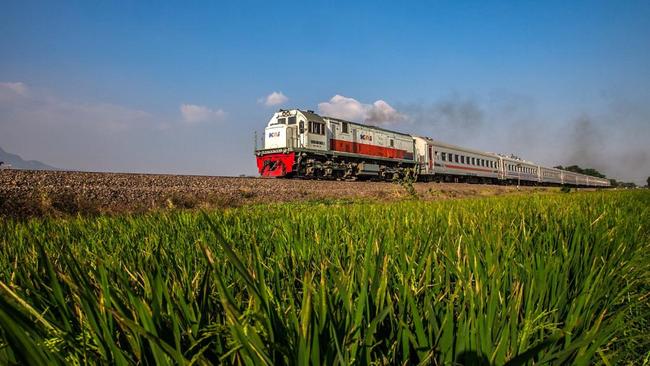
{"points": [[319, 118], [312, 116]]}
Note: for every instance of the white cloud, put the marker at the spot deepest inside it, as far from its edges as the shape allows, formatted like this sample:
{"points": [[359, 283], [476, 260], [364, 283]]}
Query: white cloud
{"points": [[275, 98], [15, 87], [379, 112], [193, 114], [20, 104]]}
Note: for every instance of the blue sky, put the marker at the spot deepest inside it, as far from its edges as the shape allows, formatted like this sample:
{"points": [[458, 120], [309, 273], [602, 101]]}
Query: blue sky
{"points": [[180, 87]]}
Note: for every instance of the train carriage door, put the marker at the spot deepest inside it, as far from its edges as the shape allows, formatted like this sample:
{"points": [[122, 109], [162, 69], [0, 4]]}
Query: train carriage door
{"points": [[354, 141], [430, 161], [301, 133]]}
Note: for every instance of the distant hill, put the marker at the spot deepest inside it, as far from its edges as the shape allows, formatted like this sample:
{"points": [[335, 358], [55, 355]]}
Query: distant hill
{"points": [[17, 162]]}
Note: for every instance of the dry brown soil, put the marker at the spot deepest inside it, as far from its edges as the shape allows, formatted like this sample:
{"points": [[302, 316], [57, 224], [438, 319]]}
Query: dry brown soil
{"points": [[37, 193]]}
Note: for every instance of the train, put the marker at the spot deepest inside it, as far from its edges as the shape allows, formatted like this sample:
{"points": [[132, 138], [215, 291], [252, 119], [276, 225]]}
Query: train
{"points": [[303, 144]]}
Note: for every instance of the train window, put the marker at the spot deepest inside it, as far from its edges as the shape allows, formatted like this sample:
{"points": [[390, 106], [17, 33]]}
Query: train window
{"points": [[316, 128], [444, 156], [345, 127], [456, 158], [462, 159], [282, 121], [392, 143], [292, 120], [473, 161]]}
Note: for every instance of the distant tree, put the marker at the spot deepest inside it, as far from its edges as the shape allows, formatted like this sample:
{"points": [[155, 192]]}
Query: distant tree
{"points": [[648, 182], [593, 173], [613, 182], [587, 171], [627, 185]]}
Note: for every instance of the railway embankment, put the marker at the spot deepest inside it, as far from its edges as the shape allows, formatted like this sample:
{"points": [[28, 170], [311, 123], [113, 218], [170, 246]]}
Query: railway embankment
{"points": [[26, 193]]}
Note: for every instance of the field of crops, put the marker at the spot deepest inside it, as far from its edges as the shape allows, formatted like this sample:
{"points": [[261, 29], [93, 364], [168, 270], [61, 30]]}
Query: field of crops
{"points": [[549, 278]]}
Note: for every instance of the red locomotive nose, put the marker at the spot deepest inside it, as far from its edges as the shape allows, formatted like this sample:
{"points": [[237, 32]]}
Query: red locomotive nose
{"points": [[275, 165]]}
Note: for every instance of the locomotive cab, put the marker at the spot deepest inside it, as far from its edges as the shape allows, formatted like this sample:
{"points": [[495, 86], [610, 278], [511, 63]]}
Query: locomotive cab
{"points": [[295, 129], [280, 133], [287, 133]]}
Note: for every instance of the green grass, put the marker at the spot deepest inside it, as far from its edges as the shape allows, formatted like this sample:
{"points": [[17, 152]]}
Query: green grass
{"points": [[542, 279]]}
